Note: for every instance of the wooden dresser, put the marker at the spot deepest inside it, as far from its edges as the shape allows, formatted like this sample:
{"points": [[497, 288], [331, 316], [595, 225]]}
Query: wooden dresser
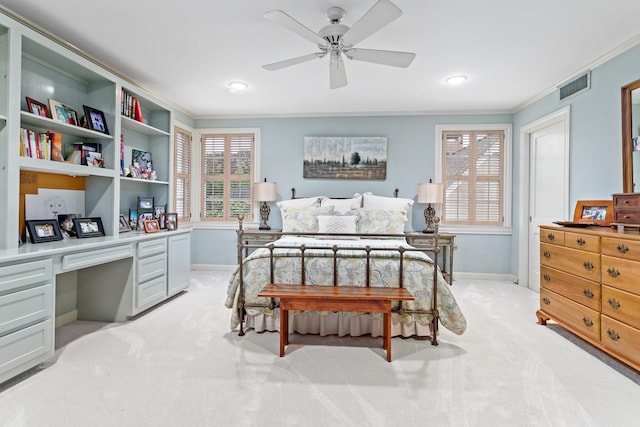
{"points": [[590, 284]]}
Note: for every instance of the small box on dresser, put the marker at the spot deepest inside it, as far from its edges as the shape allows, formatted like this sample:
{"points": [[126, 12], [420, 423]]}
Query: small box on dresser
{"points": [[626, 209]]}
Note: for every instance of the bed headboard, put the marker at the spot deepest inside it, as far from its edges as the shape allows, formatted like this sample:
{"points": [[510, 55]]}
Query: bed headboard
{"points": [[293, 194]]}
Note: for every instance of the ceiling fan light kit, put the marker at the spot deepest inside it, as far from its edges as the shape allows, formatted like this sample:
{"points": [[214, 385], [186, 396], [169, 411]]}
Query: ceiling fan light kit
{"points": [[337, 40]]}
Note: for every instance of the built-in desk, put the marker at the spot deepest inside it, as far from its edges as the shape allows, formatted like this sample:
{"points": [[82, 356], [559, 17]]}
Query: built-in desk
{"points": [[116, 278]]}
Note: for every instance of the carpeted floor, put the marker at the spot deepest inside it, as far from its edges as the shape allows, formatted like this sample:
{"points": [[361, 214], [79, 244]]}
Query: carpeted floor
{"points": [[179, 365]]}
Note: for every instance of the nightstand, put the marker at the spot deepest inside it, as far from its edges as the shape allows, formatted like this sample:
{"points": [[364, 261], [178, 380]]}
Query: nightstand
{"points": [[255, 236], [446, 242]]}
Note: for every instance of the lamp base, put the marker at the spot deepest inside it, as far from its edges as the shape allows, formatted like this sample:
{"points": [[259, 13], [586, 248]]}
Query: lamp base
{"points": [[429, 215], [264, 216], [264, 227], [428, 231]]}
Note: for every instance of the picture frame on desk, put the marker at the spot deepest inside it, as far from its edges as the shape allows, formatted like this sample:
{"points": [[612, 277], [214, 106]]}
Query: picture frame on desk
{"points": [[145, 204], [171, 220], [123, 224], [88, 227], [151, 226], [38, 108], [95, 119], [63, 113], [43, 230], [133, 219]]}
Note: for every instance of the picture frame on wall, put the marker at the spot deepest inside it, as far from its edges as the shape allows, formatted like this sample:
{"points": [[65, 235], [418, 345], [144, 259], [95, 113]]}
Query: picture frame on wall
{"points": [[88, 227], [38, 108], [43, 230], [63, 113], [95, 119]]}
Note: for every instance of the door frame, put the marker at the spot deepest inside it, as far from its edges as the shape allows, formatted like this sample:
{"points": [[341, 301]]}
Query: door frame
{"points": [[564, 116]]}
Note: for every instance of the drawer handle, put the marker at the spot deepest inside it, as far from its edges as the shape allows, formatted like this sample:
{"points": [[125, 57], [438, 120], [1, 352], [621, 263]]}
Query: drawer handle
{"points": [[546, 300], [613, 272], [580, 241], [550, 236], [622, 249], [613, 303], [546, 277], [587, 265], [613, 335], [587, 322], [587, 293], [627, 217], [626, 202], [547, 254]]}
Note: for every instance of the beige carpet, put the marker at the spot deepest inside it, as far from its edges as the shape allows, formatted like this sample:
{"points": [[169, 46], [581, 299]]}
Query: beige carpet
{"points": [[179, 365]]}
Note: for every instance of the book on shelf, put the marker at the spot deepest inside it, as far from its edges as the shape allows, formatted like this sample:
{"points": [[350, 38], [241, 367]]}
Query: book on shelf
{"points": [[130, 106], [40, 145]]}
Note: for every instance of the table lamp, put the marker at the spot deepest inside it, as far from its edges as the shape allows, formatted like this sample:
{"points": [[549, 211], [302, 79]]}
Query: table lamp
{"points": [[430, 193], [264, 192]]}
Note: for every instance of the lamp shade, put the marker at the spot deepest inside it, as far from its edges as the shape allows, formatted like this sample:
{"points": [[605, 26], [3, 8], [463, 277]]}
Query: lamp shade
{"points": [[430, 193], [265, 191]]}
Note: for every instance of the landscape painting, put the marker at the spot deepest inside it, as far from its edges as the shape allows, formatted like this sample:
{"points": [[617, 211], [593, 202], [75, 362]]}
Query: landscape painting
{"points": [[345, 157]]}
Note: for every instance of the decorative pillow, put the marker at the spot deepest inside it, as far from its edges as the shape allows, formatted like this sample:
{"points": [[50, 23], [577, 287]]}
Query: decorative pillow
{"points": [[343, 205], [379, 221], [371, 201], [303, 220], [308, 202], [345, 224]]}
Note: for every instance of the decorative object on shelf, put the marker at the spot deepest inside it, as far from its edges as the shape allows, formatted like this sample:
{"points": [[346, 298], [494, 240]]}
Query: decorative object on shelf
{"points": [[43, 230], [38, 108], [264, 192], [142, 163], [151, 226], [95, 120], [430, 193], [95, 160], [133, 219], [66, 225], [345, 157], [88, 227], [63, 113], [56, 146], [123, 224], [171, 221], [122, 171]]}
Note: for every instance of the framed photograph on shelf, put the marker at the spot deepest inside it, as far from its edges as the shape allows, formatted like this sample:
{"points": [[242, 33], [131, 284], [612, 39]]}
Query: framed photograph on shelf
{"points": [[151, 226], [159, 210], [171, 221], [43, 230], [38, 108], [95, 119], [145, 204], [65, 221], [599, 212], [123, 224], [133, 219], [63, 113], [88, 227]]}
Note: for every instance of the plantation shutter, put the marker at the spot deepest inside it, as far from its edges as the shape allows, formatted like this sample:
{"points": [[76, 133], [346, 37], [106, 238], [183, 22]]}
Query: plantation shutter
{"points": [[182, 174], [227, 169], [473, 171]]}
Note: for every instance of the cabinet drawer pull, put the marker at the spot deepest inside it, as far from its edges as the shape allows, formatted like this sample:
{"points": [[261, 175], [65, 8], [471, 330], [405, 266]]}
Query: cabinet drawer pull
{"points": [[587, 293], [622, 249], [551, 237], [587, 265], [580, 241], [546, 277], [613, 303], [613, 272], [546, 300], [547, 254], [613, 335], [587, 322]]}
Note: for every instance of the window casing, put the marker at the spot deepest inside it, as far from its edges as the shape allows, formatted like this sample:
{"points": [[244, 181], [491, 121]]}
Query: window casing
{"points": [[182, 173], [227, 176]]}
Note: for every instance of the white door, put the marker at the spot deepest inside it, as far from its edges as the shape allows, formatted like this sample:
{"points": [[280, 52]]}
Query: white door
{"points": [[548, 186]]}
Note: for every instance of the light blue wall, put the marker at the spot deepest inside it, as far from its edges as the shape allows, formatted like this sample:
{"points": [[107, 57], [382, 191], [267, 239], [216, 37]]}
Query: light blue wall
{"points": [[410, 150]]}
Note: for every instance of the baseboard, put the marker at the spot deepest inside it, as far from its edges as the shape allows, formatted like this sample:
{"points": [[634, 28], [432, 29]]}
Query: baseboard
{"points": [[213, 267], [484, 276], [65, 319]]}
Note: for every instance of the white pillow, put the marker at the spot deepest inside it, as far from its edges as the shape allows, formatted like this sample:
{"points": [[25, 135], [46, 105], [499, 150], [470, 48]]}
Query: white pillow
{"points": [[303, 220], [343, 205], [334, 224], [370, 201], [307, 202]]}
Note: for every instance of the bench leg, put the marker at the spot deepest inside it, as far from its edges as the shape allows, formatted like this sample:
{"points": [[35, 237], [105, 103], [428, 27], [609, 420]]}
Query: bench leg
{"points": [[284, 329], [387, 335]]}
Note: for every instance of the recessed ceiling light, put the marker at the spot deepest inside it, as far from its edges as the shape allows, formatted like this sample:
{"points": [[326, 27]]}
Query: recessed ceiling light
{"points": [[238, 86], [456, 80]]}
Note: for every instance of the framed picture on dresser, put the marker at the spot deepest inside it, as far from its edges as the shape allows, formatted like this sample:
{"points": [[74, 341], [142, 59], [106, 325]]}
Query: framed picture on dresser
{"points": [[597, 211]]}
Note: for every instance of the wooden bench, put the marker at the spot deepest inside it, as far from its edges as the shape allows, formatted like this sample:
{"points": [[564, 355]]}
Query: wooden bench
{"points": [[335, 298]]}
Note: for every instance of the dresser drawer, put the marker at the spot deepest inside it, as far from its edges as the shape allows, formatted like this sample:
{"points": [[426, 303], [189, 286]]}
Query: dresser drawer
{"points": [[574, 315], [585, 242], [621, 339], [581, 263], [151, 292], [621, 274], [25, 307], [554, 237], [573, 287], [151, 267], [626, 249], [152, 247], [626, 217], [24, 275], [626, 201], [621, 305]]}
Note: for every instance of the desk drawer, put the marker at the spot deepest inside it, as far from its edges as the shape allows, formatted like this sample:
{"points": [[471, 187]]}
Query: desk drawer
{"points": [[151, 267], [151, 292], [95, 257], [25, 307], [25, 274], [21, 347], [152, 247]]}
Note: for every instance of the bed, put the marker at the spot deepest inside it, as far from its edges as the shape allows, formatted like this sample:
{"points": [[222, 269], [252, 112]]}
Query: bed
{"points": [[367, 248]]}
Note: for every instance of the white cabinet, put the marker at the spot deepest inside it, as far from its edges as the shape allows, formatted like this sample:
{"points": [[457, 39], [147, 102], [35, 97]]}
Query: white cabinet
{"points": [[179, 263], [151, 273]]}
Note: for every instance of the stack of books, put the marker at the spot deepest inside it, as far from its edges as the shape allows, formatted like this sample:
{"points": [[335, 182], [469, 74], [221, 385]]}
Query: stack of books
{"points": [[130, 106], [41, 145]]}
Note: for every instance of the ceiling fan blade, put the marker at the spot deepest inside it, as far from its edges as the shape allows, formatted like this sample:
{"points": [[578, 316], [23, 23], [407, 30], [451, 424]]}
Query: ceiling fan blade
{"points": [[381, 14], [293, 61], [337, 73], [384, 57], [280, 17]]}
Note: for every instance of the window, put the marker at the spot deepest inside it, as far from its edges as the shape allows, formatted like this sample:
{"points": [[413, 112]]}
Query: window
{"points": [[182, 173], [473, 170], [227, 176]]}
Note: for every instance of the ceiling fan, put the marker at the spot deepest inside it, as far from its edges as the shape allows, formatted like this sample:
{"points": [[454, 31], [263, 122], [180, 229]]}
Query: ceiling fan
{"points": [[337, 40]]}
